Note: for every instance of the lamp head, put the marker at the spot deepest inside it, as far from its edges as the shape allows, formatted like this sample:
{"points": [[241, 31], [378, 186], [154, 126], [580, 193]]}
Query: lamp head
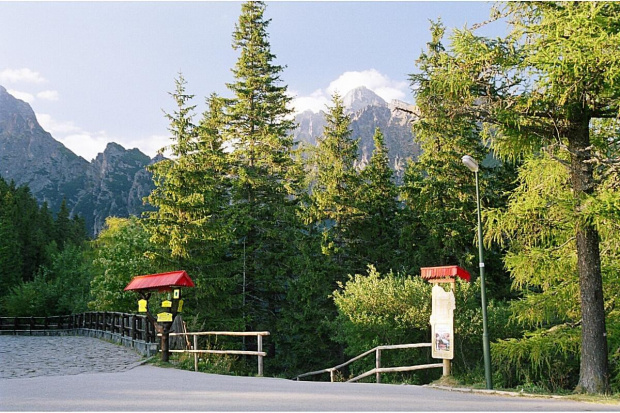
{"points": [[470, 163]]}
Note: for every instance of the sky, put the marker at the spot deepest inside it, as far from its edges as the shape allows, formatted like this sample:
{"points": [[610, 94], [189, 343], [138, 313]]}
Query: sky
{"points": [[100, 72]]}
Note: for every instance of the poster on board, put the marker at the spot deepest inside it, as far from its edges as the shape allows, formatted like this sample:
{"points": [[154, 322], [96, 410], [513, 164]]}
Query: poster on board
{"points": [[442, 325]]}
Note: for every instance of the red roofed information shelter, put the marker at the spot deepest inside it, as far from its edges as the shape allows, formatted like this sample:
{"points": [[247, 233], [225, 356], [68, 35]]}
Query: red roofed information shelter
{"points": [[449, 272], [161, 282]]}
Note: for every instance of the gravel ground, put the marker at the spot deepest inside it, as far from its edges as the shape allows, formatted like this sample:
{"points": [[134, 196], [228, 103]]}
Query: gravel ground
{"points": [[33, 356]]}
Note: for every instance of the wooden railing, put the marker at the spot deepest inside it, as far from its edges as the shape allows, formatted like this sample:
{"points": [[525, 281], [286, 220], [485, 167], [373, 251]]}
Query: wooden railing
{"points": [[378, 370], [136, 327], [196, 351]]}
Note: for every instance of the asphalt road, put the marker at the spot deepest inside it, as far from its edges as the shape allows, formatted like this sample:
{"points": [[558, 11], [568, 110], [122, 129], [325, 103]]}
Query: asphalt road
{"points": [[149, 388]]}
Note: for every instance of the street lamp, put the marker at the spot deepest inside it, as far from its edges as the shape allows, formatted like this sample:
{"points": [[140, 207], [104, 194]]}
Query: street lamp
{"points": [[472, 165]]}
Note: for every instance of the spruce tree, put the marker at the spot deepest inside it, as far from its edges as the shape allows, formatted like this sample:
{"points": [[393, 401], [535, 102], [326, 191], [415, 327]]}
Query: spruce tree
{"points": [[262, 216], [334, 182], [172, 196], [189, 226], [62, 225], [11, 262], [375, 231]]}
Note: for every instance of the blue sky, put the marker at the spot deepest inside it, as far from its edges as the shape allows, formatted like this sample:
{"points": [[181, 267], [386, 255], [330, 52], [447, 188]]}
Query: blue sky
{"points": [[96, 72]]}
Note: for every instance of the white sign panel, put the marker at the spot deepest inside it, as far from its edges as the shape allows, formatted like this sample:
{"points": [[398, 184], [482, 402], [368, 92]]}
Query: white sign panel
{"points": [[442, 325]]}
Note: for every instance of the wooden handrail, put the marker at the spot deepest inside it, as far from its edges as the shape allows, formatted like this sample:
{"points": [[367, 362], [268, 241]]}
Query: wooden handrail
{"points": [[378, 369], [223, 333], [260, 354]]}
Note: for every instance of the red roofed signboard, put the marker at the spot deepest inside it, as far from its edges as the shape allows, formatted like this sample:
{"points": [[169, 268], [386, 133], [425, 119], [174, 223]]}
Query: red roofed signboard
{"points": [[161, 282], [446, 272]]}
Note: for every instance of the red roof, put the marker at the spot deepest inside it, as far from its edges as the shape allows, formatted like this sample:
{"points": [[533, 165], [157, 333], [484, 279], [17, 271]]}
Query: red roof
{"points": [[162, 282], [450, 271]]}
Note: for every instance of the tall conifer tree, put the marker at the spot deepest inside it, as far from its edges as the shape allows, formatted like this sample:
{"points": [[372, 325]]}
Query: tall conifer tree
{"points": [[376, 234], [334, 182], [192, 196], [175, 183], [259, 121]]}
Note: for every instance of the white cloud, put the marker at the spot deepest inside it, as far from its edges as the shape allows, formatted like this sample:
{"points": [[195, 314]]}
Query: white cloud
{"points": [[51, 95], [382, 85], [88, 144], [317, 101], [25, 96], [85, 144], [21, 75], [55, 127], [149, 146]]}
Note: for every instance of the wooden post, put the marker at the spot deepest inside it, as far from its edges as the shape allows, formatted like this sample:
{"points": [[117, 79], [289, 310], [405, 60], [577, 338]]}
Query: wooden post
{"points": [[134, 327], [260, 358], [195, 354], [446, 367], [165, 341], [378, 365]]}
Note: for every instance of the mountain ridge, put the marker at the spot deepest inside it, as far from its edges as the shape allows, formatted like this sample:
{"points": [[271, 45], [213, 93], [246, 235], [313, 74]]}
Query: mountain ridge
{"points": [[116, 180], [368, 111], [111, 184]]}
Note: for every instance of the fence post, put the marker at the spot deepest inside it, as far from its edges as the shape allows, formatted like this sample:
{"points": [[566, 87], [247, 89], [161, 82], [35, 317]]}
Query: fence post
{"points": [[332, 375], [378, 364], [446, 367], [195, 354], [260, 358], [134, 327]]}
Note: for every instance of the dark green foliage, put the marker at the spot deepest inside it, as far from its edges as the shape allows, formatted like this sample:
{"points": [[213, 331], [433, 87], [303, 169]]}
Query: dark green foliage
{"points": [[306, 339], [439, 194], [333, 182], [40, 255], [262, 173], [375, 231]]}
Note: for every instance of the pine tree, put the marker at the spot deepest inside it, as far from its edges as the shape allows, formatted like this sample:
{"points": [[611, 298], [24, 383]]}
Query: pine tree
{"points": [[11, 262], [375, 231], [334, 181], [62, 225], [174, 184], [189, 227], [262, 214]]}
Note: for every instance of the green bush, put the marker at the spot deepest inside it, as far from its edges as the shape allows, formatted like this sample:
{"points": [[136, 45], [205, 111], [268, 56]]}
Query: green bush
{"points": [[377, 309]]}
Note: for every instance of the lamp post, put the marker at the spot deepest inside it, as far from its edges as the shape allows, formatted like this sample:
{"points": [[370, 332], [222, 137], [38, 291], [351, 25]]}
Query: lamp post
{"points": [[472, 165]]}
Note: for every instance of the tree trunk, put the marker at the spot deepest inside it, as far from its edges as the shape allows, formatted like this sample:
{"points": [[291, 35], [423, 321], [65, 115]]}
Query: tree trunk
{"points": [[593, 374]]}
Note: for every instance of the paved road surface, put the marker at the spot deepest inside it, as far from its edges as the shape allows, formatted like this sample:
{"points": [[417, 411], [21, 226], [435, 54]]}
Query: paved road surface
{"points": [[33, 356], [149, 388]]}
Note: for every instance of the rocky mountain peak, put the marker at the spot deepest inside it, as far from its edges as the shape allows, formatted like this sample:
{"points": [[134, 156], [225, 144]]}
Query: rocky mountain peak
{"points": [[113, 184], [367, 111], [361, 97], [16, 115]]}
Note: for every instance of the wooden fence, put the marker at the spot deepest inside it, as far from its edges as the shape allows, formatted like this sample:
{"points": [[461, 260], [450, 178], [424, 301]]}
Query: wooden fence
{"points": [[132, 330], [259, 353], [133, 327], [378, 369]]}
